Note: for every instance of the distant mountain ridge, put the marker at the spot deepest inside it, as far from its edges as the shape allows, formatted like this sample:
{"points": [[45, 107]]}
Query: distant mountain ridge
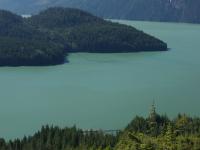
{"points": [[150, 10]]}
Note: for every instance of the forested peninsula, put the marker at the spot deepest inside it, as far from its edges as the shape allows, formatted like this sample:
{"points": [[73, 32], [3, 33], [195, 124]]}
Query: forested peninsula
{"points": [[46, 38], [156, 132]]}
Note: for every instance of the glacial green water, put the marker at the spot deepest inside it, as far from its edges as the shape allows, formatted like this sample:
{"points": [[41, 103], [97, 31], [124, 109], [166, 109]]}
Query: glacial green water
{"points": [[105, 90]]}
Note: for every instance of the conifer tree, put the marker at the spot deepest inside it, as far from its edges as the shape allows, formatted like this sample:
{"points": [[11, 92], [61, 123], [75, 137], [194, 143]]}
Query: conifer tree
{"points": [[153, 120]]}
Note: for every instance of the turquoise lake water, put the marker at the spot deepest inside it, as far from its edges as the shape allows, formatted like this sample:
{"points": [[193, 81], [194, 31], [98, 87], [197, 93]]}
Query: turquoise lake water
{"points": [[105, 90]]}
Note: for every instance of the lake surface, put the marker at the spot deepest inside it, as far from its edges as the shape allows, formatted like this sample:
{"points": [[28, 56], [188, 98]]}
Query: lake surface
{"points": [[105, 90]]}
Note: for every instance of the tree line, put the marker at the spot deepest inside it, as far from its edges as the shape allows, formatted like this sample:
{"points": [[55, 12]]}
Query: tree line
{"points": [[156, 132]]}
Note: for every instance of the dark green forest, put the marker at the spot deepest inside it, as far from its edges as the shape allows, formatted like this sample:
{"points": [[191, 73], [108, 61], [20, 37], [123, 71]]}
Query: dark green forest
{"points": [[87, 33], [156, 132], [46, 38], [21, 44]]}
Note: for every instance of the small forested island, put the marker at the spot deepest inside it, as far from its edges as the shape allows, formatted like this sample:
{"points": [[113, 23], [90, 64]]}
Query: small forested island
{"points": [[156, 132], [46, 38]]}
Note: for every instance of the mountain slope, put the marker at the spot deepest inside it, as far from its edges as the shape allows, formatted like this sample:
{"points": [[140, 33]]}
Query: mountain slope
{"points": [[46, 38], [153, 10], [87, 33], [22, 44]]}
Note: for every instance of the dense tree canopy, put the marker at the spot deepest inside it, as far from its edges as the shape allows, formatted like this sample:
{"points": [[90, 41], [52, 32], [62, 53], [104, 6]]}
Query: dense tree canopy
{"points": [[61, 18], [182, 133], [87, 33], [54, 138], [46, 38], [156, 132], [21, 44]]}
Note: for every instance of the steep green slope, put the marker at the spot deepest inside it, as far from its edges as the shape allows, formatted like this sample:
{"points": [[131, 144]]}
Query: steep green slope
{"points": [[62, 18], [21, 44], [87, 33], [45, 39]]}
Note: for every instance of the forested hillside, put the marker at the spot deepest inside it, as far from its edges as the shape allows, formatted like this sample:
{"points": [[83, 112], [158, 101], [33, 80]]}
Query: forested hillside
{"points": [[87, 33], [153, 10], [46, 38], [156, 132], [22, 44]]}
